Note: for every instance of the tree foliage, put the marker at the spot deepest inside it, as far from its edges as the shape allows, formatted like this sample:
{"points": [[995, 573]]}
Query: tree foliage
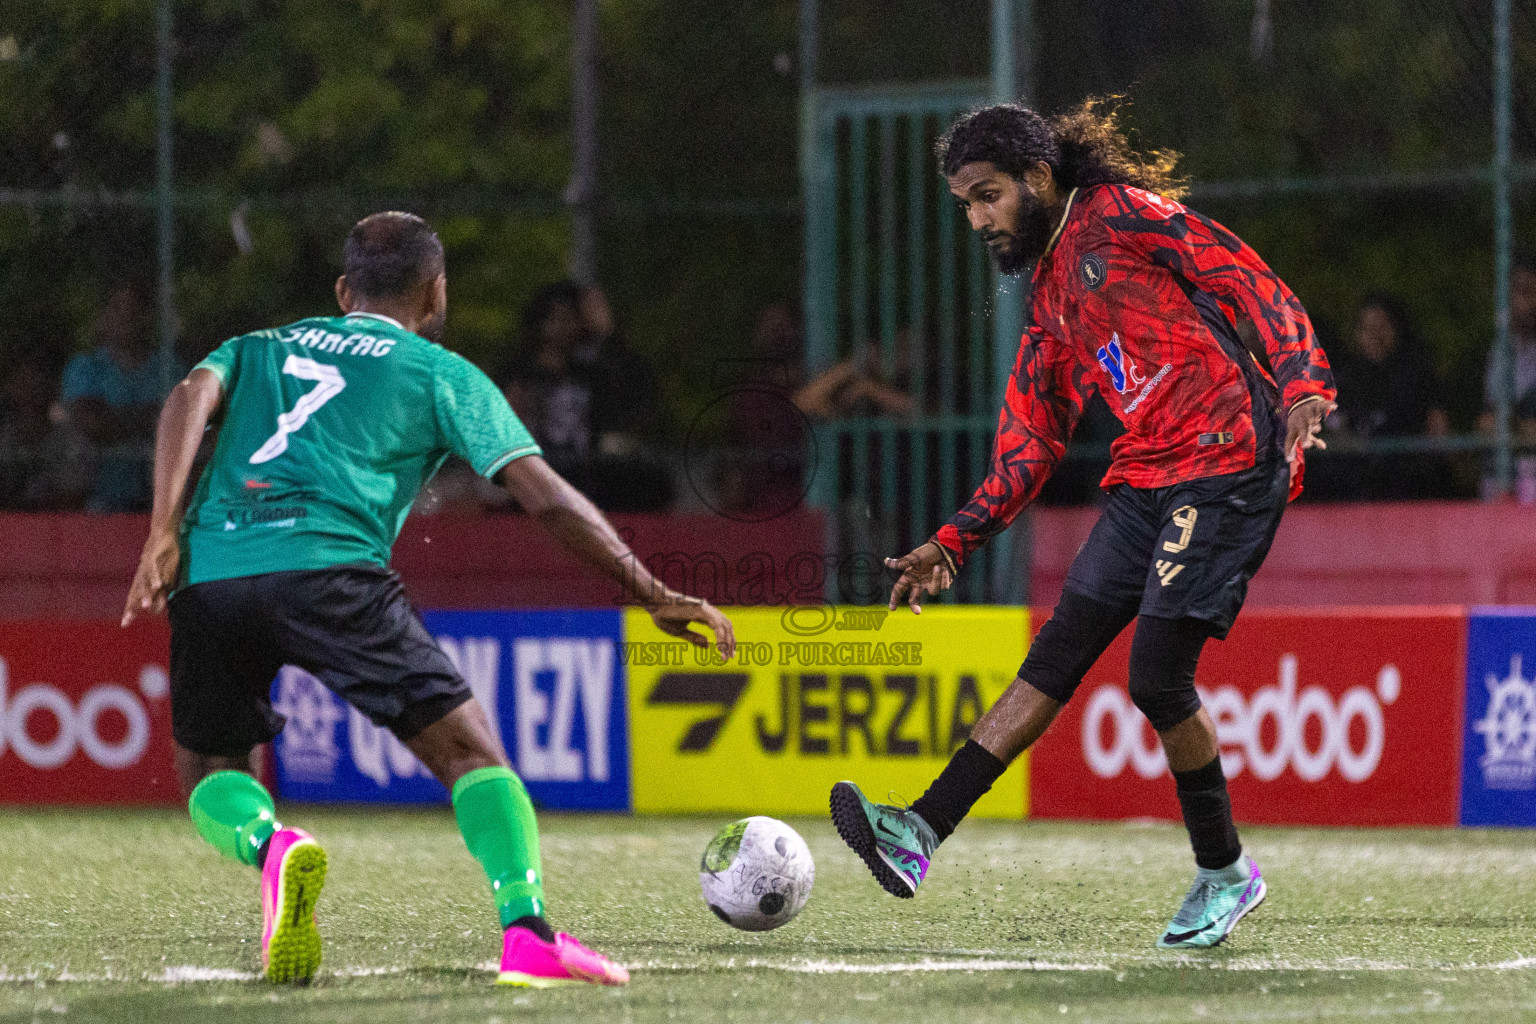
{"points": [[292, 119]]}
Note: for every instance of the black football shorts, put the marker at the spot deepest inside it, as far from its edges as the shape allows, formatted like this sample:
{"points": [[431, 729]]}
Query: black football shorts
{"points": [[350, 626], [1185, 550]]}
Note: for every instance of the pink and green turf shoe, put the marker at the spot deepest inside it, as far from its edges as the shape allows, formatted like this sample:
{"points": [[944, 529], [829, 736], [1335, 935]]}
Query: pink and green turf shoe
{"points": [[529, 961], [290, 887]]}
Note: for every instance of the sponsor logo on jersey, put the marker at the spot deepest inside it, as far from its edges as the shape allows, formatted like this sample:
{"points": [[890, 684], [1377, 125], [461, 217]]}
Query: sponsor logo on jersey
{"points": [[1093, 271], [1122, 371], [1146, 389]]}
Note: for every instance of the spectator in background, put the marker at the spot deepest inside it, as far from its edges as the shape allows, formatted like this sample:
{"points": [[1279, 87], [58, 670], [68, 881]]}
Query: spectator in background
{"points": [[1522, 351], [45, 464], [112, 395], [549, 392], [1388, 387], [762, 471], [626, 412], [858, 387]]}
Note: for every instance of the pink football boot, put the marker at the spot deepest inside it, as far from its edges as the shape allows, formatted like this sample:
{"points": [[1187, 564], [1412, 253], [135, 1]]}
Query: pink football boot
{"points": [[529, 961], [290, 887]]}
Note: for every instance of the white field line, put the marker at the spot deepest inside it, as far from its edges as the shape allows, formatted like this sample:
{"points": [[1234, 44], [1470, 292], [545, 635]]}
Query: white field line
{"points": [[1473, 1011], [191, 973], [843, 967]]}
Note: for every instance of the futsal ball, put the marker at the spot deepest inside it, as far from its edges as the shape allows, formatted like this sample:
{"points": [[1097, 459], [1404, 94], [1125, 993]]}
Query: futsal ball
{"points": [[757, 874]]}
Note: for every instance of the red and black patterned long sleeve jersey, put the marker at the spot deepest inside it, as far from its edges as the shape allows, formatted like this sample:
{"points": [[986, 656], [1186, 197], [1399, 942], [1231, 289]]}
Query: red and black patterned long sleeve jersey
{"points": [[1140, 298]]}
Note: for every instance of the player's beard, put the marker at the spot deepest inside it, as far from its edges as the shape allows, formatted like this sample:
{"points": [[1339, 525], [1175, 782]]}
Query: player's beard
{"points": [[432, 327], [1027, 244]]}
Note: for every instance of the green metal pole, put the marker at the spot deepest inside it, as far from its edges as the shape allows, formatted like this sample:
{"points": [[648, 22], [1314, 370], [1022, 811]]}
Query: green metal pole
{"points": [[164, 199], [885, 522], [919, 342], [817, 170], [1502, 243], [818, 185], [1008, 18], [581, 193], [857, 506], [949, 351]]}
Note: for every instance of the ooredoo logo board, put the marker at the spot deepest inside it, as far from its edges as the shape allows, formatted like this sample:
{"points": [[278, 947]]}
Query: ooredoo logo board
{"points": [[85, 713], [1322, 719]]}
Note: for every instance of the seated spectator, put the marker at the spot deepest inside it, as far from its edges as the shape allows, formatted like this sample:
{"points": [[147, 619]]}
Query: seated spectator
{"points": [[857, 387], [761, 472], [549, 392], [45, 464], [1522, 351], [626, 413], [112, 395], [1388, 387]]}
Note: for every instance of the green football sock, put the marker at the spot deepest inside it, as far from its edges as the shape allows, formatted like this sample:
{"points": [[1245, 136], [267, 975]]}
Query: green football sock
{"points": [[496, 819], [234, 813]]}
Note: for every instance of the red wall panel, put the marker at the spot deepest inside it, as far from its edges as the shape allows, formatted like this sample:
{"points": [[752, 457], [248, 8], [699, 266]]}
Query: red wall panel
{"points": [[79, 566], [1367, 554]]}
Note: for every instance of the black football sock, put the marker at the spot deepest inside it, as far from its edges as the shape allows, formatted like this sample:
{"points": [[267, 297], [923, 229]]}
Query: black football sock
{"points": [[537, 925], [969, 774], [1208, 815]]}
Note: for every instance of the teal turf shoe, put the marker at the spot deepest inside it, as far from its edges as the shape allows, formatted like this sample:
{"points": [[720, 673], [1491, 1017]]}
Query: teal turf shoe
{"points": [[1216, 902], [894, 842]]}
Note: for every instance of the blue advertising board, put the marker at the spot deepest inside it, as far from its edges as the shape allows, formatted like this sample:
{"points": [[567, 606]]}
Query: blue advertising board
{"points": [[1498, 756], [550, 681]]}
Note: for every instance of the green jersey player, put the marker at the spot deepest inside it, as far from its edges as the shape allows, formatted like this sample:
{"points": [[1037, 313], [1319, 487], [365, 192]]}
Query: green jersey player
{"points": [[329, 428]]}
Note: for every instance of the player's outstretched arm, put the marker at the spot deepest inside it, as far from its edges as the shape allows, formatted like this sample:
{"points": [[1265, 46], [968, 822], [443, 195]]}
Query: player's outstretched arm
{"points": [[1043, 401], [927, 569], [575, 521], [177, 436]]}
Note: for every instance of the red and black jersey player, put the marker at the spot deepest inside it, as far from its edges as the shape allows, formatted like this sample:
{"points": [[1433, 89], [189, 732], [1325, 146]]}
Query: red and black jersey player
{"points": [[1139, 298]]}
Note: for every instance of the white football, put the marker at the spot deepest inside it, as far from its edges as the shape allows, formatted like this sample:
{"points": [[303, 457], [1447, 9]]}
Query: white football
{"points": [[757, 873]]}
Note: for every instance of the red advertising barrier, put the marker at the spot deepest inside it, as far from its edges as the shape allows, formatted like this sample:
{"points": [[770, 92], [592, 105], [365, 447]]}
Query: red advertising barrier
{"points": [[79, 566], [1348, 717], [85, 713], [1351, 554]]}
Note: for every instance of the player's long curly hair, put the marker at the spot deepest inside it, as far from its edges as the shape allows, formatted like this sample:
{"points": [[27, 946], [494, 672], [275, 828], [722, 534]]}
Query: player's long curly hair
{"points": [[1083, 146]]}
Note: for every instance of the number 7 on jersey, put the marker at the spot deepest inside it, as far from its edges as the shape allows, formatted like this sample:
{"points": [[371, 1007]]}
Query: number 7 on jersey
{"points": [[330, 384]]}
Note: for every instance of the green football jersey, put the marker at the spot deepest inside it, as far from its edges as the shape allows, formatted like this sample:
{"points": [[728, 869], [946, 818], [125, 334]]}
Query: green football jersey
{"points": [[331, 427]]}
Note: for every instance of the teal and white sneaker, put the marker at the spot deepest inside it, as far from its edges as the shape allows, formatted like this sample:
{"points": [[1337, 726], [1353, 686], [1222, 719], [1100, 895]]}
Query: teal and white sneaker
{"points": [[1216, 902], [894, 841]]}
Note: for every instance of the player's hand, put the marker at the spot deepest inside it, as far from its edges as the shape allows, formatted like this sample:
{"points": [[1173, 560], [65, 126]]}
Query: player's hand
{"points": [[923, 570], [675, 614], [155, 576], [1303, 427]]}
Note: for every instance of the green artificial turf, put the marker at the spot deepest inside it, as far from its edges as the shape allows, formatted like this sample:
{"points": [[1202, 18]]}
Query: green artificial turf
{"points": [[125, 916]]}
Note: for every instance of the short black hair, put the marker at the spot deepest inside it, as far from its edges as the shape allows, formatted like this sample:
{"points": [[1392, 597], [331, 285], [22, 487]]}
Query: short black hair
{"points": [[387, 254]]}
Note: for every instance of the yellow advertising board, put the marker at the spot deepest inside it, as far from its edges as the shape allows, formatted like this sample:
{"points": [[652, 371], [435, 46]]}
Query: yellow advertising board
{"points": [[815, 695]]}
